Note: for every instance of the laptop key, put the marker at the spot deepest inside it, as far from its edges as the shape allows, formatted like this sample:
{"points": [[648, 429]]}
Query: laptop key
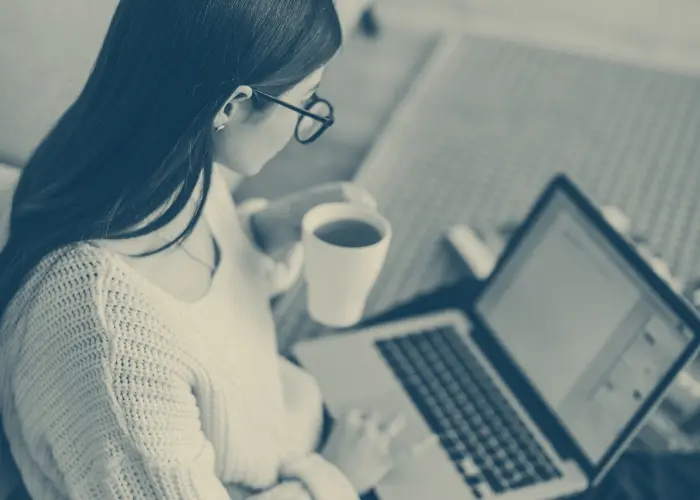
{"points": [[493, 481], [521, 481], [469, 467]]}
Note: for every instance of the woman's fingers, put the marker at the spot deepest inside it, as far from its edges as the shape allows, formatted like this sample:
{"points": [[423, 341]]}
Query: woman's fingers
{"points": [[395, 426], [389, 430], [356, 194], [355, 417], [377, 438], [334, 192], [373, 424], [373, 420], [416, 449], [422, 446]]}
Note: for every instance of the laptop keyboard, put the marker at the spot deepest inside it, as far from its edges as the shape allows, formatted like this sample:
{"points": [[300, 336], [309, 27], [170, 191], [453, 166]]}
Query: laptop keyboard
{"points": [[477, 427]]}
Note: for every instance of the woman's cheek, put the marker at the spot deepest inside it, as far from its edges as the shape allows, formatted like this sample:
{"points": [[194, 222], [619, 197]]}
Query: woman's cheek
{"points": [[286, 125], [246, 150]]}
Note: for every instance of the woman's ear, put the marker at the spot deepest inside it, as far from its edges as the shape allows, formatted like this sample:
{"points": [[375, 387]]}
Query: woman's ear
{"points": [[242, 93]]}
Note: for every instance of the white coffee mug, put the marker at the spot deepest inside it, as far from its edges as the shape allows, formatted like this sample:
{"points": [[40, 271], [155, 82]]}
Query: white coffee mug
{"points": [[340, 277]]}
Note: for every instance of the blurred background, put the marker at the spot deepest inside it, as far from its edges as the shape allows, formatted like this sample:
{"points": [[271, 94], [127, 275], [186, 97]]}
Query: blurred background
{"points": [[47, 49], [639, 55]]}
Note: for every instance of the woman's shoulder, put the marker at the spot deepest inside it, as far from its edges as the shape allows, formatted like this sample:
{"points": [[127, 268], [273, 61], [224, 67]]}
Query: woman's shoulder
{"points": [[83, 320], [82, 295], [82, 276]]}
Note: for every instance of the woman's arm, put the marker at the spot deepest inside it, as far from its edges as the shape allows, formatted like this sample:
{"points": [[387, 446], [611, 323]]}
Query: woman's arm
{"points": [[119, 426], [303, 399], [120, 417], [159, 451]]}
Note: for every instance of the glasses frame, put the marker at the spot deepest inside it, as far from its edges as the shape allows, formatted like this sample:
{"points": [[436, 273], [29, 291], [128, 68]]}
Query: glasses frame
{"points": [[326, 121]]}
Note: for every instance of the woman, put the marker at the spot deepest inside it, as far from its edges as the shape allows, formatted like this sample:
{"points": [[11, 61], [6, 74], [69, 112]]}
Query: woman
{"points": [[137, 349]]}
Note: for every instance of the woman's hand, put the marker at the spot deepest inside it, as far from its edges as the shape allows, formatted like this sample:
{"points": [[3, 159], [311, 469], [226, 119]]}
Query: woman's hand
{"points": [[362, 447], [277, 228]]}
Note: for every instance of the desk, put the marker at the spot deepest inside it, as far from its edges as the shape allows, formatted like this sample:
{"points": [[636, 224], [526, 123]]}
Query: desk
{"points": [[637, 476]]}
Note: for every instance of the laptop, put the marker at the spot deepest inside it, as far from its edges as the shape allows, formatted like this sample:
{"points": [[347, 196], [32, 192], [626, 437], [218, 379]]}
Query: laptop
{"points": [[536, 388]]}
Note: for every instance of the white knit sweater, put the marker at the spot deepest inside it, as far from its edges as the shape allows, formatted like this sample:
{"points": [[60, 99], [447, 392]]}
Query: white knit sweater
{"points": [[113, 389]]}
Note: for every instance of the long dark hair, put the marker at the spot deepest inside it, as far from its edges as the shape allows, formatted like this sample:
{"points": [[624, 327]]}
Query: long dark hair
{"points": [[139, 136]]}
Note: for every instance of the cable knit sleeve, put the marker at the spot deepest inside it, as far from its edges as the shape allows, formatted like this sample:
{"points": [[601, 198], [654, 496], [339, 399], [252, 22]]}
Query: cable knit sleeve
{"points": [[128, 424], [168, 455], [165, 453], [149, 445]]}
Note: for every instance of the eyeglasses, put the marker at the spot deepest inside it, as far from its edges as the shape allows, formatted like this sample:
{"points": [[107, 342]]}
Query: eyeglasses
{"points": [[314, 118]]}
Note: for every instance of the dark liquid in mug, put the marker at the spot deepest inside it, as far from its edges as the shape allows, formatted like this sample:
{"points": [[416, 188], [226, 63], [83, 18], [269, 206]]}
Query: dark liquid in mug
{"points": [[350, 233]]}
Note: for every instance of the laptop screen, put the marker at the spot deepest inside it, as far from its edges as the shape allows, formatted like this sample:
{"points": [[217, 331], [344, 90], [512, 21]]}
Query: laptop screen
{"points": [[592, 337]]}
